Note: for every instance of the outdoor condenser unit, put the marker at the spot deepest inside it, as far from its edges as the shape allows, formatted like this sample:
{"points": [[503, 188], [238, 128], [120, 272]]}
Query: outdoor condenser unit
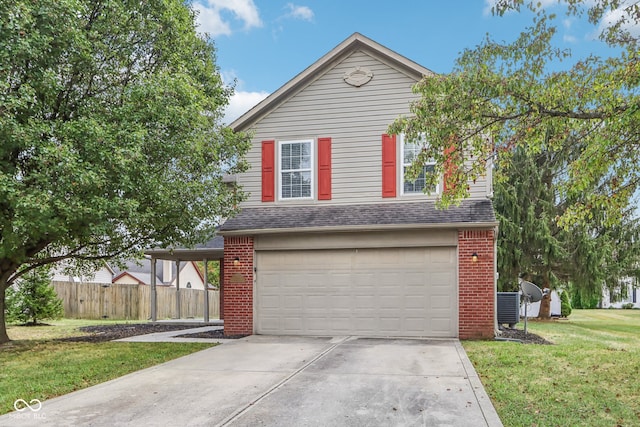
{"points": [[508, 308]]}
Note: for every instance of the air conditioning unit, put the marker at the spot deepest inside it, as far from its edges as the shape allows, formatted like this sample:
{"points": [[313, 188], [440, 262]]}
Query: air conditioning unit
{"points": [[508, 308]]}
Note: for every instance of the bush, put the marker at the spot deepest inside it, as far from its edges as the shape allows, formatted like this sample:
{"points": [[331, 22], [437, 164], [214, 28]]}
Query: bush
{"points": [[628, 306], [33, 299], [565, 305]]}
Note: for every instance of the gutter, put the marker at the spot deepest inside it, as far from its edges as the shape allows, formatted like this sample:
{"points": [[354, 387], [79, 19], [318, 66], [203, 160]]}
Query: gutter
{"points": [[367, 227]]}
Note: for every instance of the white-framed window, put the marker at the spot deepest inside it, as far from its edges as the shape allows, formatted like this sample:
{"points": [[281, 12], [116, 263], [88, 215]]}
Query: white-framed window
{"points": [[296, 169], [410, 150]]}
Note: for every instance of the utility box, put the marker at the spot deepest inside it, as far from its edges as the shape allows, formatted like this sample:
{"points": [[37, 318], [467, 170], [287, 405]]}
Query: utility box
{"points": [[508, 308]]}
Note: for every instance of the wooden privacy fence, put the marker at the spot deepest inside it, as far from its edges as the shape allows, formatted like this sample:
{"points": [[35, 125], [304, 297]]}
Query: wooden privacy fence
{"points": [[132, 302]]}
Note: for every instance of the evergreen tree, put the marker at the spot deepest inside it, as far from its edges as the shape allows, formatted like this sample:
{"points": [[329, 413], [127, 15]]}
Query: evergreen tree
{"points": [[33, 299], [531, 244], [565, 305]]}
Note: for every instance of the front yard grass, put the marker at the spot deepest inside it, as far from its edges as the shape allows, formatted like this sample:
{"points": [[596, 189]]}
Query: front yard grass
{"points": [[36, 366], [589, 377]]}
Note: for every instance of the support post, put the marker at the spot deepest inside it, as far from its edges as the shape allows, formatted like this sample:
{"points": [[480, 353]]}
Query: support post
{"points": [[154, 296], [178, 316], [206, 290]]}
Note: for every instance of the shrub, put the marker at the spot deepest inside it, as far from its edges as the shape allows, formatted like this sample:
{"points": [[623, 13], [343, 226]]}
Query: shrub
{"points": [[565, 305], [33, 299], [628, 305]]}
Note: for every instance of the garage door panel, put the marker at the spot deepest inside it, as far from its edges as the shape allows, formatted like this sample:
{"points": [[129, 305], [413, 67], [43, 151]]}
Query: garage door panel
{"points": [[440, 302], [372, 292], [441, 324]]}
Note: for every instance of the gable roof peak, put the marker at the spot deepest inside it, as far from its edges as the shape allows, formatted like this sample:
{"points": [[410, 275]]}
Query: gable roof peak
{"points": [[352, 43]]}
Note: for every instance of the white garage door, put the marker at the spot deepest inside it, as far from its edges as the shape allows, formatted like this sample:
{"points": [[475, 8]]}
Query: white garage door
{"points": [[407, 292]]}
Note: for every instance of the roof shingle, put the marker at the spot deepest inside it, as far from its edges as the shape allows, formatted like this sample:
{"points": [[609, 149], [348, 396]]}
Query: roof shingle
{"points": [[346, 216]]}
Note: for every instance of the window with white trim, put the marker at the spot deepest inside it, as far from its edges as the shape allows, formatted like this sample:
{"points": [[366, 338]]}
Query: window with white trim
{"points": [[410, 150], [296, 169]]}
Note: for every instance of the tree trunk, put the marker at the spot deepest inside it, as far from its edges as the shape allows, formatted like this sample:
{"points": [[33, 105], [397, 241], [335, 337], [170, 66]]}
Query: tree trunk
{"points": [[545, 307], [3, 327], [545, 303]]}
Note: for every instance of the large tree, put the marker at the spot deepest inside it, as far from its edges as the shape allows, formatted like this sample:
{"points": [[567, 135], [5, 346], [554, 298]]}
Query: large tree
{"points": [[504, 95], [530, 243], [506, 101], [110, 133]]}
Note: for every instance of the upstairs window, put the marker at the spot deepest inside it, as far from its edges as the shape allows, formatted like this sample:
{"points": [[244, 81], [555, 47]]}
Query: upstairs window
{"points": [[410, 150], [296, 169]]}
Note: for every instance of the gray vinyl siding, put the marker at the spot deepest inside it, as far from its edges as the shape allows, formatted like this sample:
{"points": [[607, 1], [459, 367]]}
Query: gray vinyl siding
{"points": [[355, 119]]}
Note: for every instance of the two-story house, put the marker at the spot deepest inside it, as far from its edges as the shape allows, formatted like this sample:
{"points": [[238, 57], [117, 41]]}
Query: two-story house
{"points": [[332, 239]]}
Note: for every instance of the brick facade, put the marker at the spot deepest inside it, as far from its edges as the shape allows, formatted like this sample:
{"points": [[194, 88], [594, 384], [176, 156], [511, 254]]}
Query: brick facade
{"points": [[237, 291], [476, 286]]}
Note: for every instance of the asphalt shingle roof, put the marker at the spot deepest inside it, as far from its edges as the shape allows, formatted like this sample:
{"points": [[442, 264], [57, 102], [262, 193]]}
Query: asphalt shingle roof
{"points": [[413, 213]]}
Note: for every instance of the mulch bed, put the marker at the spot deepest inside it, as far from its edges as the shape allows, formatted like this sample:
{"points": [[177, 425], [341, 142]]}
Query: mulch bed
{"points": [[528, 338], [103, 333]]}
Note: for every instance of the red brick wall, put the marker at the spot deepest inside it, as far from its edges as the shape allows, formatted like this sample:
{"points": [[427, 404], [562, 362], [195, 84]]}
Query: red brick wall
{"points": [[221, 275], [238, 297], [476, 284]]}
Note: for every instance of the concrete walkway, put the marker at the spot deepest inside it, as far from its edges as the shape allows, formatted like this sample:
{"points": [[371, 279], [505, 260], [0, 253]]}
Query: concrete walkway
{"points": [[286, 381], [172, 336]]}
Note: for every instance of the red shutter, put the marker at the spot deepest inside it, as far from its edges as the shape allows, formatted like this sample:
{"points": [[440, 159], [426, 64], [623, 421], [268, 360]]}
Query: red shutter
{"points": [[389, 165], [268, 171], [324, 168]]}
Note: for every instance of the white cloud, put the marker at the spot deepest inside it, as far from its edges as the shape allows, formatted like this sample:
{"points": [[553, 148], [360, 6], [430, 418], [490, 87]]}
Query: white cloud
{"points": [[300, 12], [612, 17], [569, 38], [210, 15], [567, 23], [241, 102]]}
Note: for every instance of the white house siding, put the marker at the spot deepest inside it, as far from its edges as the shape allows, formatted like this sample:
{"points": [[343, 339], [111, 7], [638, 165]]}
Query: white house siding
{"points": [[355, 119], [189, 274], [102, 275], [534, 308], [632, 291]]}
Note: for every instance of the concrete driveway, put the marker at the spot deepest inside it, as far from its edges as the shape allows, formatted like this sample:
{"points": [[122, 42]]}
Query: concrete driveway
{"points": [[287, 381]]}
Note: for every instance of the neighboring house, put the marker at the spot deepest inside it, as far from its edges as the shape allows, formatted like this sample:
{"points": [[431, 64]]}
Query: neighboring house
{"points": [[103, 275], [332, 240], [139, 273], [632, 292]]}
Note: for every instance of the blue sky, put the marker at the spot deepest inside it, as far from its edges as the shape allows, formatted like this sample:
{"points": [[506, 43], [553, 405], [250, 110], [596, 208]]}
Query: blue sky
{"points": [[262, 44]]}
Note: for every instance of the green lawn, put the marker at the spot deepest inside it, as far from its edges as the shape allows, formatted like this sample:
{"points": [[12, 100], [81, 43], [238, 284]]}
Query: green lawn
{"points": [[591, 376], [36, 366]]}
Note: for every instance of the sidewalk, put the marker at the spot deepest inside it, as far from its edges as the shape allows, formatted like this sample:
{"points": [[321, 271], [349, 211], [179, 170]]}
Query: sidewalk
{"points": [[171, 336]]}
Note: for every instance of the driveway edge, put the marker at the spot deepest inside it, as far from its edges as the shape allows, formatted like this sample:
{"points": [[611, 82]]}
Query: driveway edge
{"points": [[486, 406]]}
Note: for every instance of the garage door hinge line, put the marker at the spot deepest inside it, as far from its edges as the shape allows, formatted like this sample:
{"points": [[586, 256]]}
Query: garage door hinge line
{"points": [[285, 380]]}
